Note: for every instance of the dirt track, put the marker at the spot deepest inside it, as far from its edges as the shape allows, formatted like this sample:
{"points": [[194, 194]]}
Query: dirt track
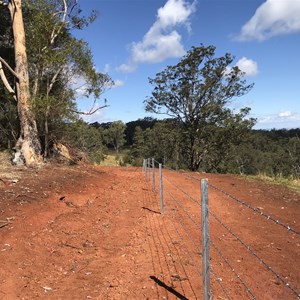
{"points": [[96, 233]]}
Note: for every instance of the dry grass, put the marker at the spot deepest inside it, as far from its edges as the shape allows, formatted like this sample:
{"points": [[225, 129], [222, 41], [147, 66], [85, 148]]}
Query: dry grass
{"points": [[7, 171], [110, 160], [290, 182], [5, 159]]}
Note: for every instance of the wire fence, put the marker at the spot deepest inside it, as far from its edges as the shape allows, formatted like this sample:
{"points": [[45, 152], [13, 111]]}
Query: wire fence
{"points": [[242, 265]]}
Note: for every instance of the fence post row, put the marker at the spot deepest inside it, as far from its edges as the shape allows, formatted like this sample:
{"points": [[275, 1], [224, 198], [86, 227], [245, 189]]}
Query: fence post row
{"points": [[161, 189], [205, 240], [148, 169], [144, 166], [153, 174], [207, 294]]}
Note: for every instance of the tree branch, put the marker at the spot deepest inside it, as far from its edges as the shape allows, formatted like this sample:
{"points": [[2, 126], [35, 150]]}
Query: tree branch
{"points": [[90, 112], [6, 83], [9, 68], [53, 79]]}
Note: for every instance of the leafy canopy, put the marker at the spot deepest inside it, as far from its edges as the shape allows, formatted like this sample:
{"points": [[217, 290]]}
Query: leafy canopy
{"points": [[197, 88], [196, 92]]}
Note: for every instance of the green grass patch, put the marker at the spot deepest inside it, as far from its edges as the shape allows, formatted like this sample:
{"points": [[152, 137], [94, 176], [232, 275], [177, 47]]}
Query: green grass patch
{"points": [[111, 158], [290, 182]]}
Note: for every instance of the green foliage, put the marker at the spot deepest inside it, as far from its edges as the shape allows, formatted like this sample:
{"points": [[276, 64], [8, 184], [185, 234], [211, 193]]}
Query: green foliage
{"points": [[196, 92], [275, 153], [61, 68], [144, 123], [53, 51], [114, 135], [293, 149], [9, 123], [267, 152], [85, 138]]}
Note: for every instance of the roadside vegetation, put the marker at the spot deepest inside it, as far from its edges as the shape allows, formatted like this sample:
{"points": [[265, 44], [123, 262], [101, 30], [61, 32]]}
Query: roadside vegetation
{"points": [[199, 131], [291, 182]]}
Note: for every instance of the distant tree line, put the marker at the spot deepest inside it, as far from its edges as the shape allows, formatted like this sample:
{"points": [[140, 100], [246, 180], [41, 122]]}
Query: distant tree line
{"points": [[272, 152], [38, 102]]}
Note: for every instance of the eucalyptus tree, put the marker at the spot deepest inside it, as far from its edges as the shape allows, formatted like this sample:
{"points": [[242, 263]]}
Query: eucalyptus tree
{"points": [[60, 65], [8, 105], [115, 135], [138, 147], [28, 144], [293, 150], [166, 142], [86, 138], [41, 76], [196, 92]]}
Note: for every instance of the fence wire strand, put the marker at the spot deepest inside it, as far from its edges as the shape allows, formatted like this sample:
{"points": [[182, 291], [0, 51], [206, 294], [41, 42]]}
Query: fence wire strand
{"points": [[219, 252], [220, 283], [255, 255], [186, 212], [180, 236], [185, 193], [256, 210], [196, 247], [233, 270]]}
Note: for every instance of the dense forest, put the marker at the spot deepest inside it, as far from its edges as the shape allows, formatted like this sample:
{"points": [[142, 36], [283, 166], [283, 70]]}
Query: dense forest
{"points": [[271, 152], [39, 114]]}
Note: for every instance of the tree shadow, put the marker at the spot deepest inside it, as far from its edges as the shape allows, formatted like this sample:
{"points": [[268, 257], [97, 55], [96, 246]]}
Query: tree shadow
{"points": [[153, 211], [168, 288]]}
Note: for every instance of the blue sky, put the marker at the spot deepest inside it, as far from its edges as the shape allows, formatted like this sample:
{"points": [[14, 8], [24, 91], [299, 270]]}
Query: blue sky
{"points": [[133, 40]]}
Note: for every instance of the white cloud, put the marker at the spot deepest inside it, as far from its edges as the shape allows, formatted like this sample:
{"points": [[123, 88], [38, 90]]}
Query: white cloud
{"points": [[117, 83], [285, 114], [175, 12], [162, 41], [284, 117], [78, 84], [248, 66], [157, 48], [126, 68], [106, 68], [272, 18], [95, 117]]}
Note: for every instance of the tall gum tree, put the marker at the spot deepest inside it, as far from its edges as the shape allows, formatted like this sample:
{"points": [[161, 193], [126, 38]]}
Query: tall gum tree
{"points": [[60, 65], [55, 60], [196, 92], [28, 145]]}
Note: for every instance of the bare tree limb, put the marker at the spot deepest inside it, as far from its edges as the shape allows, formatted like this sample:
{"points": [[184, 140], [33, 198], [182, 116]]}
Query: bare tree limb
{"points": [[6, 83], [9, 68], [64, 12], [90, 112], [53, 79]]}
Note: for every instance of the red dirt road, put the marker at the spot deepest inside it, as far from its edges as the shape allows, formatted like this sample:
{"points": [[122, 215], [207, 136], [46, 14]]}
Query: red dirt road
{"points": [[96, 233]]}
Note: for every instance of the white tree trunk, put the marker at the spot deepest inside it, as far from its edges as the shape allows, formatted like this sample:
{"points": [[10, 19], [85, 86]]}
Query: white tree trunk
{"points": [[28, 144]]}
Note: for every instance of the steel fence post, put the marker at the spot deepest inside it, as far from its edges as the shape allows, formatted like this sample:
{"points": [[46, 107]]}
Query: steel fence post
{"points": [[153, 174], [161, 190], [148, 169], [205, 240]]}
